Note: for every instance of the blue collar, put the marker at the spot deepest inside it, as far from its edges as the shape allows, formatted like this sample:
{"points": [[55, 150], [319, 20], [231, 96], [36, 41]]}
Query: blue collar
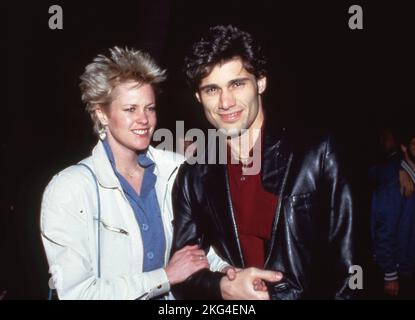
{"points": [[144, 161], [142, 158]]}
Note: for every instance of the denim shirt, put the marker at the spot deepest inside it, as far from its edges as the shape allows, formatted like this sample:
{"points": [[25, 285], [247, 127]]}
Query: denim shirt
{"points": [[146, 210]]}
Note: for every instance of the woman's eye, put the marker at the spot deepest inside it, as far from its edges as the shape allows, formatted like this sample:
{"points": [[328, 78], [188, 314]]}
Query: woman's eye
{"points": [[152, 108]]}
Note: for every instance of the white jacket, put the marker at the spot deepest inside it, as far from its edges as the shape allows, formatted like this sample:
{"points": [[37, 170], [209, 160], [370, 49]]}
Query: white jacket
{"points": [[69, 224]]}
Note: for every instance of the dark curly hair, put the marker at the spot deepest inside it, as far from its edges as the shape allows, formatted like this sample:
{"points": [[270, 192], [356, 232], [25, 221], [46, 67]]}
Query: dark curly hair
{"points": [[221, 44]]}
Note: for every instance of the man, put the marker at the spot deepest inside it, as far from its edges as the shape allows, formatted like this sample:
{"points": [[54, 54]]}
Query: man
{"points": [[393, 224], [292, 218], [378, 173]]}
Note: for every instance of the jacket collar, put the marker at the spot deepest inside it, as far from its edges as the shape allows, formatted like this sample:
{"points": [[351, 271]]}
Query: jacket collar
{"points": [[163, 169], [409, 170], [275, 154], [276, 151]]}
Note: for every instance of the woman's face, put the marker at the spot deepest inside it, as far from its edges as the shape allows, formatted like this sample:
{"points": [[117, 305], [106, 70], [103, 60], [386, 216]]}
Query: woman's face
{"points": [[131, 117]]}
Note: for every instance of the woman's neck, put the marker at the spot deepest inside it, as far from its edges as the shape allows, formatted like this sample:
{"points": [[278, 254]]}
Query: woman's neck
{"points": [[125, 158]]}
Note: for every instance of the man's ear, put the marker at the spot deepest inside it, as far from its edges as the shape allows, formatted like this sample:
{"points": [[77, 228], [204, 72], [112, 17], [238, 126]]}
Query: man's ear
{"points": [[262, 84], [197, 96], [404, 149], [101, 115]]}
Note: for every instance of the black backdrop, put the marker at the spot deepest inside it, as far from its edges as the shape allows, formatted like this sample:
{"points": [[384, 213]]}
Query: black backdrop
{"points": [[322, 74]]}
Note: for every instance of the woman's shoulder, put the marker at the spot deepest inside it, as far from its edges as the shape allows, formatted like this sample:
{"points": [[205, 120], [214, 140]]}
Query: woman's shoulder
{"points": [[71, 179], [166, 157]]}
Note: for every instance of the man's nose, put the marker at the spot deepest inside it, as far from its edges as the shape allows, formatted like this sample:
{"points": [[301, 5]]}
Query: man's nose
{"points": [[227, 100]]}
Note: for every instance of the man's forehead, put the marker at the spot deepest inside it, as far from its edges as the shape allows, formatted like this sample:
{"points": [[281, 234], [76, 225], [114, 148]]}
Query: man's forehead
{"points": [[225, 71]]}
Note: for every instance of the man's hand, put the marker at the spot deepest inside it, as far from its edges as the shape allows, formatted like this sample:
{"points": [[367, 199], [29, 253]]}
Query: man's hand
{"points": [[258, 284], [407, 186], [247, 284], [391, 288]]}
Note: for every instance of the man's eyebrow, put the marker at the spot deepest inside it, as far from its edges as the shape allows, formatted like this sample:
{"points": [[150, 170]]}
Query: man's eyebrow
{"points": [[238, 80], [208, 86], [230, 82]]}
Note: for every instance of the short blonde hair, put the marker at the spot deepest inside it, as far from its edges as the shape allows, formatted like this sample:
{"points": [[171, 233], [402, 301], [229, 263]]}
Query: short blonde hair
{"points": [[106, 72]]}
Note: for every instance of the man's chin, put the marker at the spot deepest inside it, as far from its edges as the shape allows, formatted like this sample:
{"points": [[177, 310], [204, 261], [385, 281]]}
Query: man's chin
{"points": [[230, 132]]}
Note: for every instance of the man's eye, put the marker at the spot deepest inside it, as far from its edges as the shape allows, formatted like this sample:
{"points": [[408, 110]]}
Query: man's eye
{"points": [[210, 90], [238, 83], [131, 109], [151, 109]]}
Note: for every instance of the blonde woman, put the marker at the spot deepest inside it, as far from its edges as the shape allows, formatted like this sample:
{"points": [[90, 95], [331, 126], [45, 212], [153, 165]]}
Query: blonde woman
{"points": [[107, 222]]}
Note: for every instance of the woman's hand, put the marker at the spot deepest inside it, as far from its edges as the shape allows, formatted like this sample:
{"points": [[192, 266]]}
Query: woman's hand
{"points": [[185, 262]]}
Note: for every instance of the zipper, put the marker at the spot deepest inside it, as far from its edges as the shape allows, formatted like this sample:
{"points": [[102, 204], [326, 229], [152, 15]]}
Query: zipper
{"points": [[278, 211], [167, 253], [233, 217]]}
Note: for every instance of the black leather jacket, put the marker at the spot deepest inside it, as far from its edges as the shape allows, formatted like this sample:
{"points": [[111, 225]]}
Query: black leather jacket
{"points": [[312, 237]]}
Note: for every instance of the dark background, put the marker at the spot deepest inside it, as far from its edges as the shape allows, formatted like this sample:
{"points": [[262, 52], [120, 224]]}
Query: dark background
{"points": [[322, 75]]}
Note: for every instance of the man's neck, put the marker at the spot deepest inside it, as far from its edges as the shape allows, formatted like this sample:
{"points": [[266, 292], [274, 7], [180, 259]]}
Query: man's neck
{"points": [[242, 145]]}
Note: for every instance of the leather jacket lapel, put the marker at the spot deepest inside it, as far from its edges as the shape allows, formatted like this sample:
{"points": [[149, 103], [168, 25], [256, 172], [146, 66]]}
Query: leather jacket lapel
{"points": [[275, 157]]}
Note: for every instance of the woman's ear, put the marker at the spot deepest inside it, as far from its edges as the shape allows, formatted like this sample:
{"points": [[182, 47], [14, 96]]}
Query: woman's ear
{"points": [[101, 115]]}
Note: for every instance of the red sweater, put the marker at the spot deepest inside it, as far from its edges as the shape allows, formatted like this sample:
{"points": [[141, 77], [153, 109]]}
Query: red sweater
{"points": [[254, 210]]}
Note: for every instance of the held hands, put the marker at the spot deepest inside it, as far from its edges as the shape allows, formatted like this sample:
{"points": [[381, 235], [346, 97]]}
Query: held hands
{"points": [[185, 262], [247, 284]]}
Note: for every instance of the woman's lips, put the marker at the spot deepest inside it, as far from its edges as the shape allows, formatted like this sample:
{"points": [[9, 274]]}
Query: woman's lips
{"points": [[141, 132]]}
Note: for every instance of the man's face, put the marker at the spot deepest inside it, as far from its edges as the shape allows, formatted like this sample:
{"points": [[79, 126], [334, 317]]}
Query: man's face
{"points": [[230, 96], [409, 151]]}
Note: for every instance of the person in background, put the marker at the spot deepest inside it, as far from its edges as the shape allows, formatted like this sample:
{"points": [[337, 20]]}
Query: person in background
{"points": [[393, 223], [390, 152]]}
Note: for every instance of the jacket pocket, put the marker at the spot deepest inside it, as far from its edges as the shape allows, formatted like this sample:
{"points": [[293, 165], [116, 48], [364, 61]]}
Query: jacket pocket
{"points": [[298, 214], [112, 228]]}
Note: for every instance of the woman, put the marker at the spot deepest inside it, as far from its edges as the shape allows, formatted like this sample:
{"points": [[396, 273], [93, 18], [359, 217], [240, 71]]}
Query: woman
{"points": [[107, 222]]}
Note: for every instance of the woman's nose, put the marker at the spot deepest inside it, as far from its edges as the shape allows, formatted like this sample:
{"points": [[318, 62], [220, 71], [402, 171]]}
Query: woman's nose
{"points": [[141, 117]]}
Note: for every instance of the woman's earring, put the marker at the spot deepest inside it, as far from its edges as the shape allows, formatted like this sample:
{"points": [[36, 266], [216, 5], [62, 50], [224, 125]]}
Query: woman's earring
{"points": [[102, 134]]}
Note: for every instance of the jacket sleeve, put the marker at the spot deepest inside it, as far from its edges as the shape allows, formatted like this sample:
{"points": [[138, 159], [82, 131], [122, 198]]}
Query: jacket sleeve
{"points": [[341, 235], [71, 253], [385, 218], [203, 284]]}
